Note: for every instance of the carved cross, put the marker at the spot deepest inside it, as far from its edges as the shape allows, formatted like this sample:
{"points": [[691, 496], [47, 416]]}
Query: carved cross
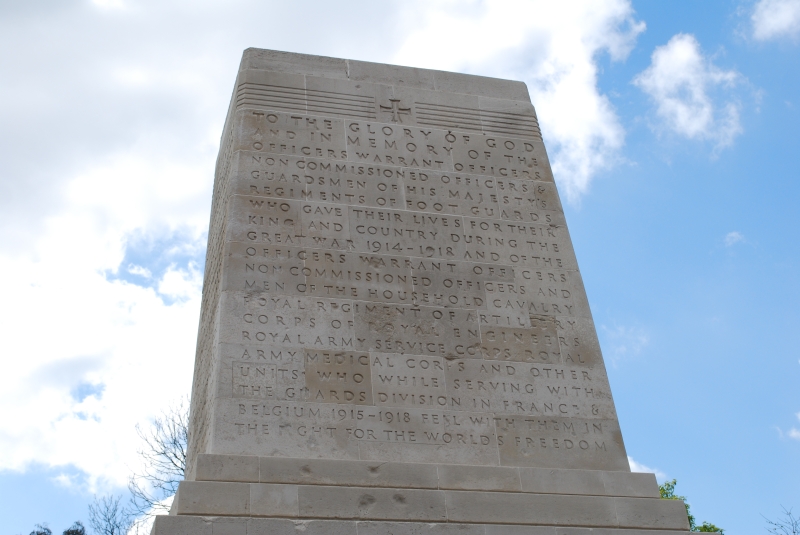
{"points": [[396, 110]]}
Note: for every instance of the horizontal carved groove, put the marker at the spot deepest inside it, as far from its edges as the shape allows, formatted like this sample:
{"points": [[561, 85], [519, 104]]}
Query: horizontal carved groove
{"points": [[269, 104], [368, 101], [508, 115], [511, 123], [463, 120], [448, 124], [271, 92], [508, 124], [446, 118], [271, 98], [273, 88], [442, 117], [275, 97], [363, 107], [340, 106], [293, 104], [343, 113], [514, 133], [341, 103], [312, 100], [449, 113], [445, 107], [514, 124]]}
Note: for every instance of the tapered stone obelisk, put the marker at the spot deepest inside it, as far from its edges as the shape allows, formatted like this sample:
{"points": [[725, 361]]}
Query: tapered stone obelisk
{"points": [[394, 336]]}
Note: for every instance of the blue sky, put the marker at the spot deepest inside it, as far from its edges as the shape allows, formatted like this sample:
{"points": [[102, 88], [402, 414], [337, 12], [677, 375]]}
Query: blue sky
{"points": [[673, 129]]}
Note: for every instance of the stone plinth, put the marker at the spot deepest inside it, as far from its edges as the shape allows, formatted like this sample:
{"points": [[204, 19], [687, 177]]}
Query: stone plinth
{"points": [[394, 336]]}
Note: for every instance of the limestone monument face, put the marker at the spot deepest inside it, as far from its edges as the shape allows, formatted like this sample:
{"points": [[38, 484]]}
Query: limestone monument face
{"points": [[394, 333]]}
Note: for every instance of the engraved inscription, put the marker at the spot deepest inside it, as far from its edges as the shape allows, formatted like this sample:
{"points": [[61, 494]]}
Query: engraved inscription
{"points": [[398, 283]]}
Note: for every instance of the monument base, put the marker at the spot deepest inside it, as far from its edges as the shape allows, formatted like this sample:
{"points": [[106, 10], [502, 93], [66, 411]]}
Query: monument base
{"points": [[195, 525], [243, 495], [390, 277]]}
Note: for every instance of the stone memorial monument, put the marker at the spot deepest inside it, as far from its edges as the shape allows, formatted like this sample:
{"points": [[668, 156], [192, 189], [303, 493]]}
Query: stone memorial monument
{"points": [[394, 336]]}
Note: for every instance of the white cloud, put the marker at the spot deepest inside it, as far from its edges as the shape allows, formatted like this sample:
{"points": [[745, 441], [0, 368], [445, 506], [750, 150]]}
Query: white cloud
{"points": [[681, 81], [65, 480], [794, 432], [623, 342], [732, 238], [109, 4], [773, 19], [554, 48], [133, 77], [639, 467], [181, 283], [105, 190], [140, 271], [143, 525], [87, 330], [108, 155]]}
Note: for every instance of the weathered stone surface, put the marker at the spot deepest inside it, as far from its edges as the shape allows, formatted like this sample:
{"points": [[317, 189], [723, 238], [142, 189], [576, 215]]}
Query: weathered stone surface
{"points": [[500, 478], [212, 498], [409, 528], [466, 494], [500, 529], [351, 473], [334, 472], [186, 525], [395, 335], [271, 526], [548, 509], [652, 514], [228, 526], [227, 468], [181, 525], [371, 503], [606, 531], [273, 500], [633, 484], [541, 480]]}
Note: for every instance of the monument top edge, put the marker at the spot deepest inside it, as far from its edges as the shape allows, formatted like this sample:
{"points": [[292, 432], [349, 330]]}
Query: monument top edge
{"points": [[382, 73]]}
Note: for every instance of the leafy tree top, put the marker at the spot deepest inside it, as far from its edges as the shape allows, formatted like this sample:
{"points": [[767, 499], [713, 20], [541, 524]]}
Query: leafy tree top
{"points": [[667, 491]]}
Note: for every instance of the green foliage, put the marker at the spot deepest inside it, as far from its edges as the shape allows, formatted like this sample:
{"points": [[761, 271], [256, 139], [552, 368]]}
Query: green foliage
{"points": [[76, 529], [42, 529], [667, 491]]}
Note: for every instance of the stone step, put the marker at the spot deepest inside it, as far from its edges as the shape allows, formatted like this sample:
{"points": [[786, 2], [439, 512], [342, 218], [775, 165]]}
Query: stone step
{"points": [[247, 469], [425, 505], [195, 525]]}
